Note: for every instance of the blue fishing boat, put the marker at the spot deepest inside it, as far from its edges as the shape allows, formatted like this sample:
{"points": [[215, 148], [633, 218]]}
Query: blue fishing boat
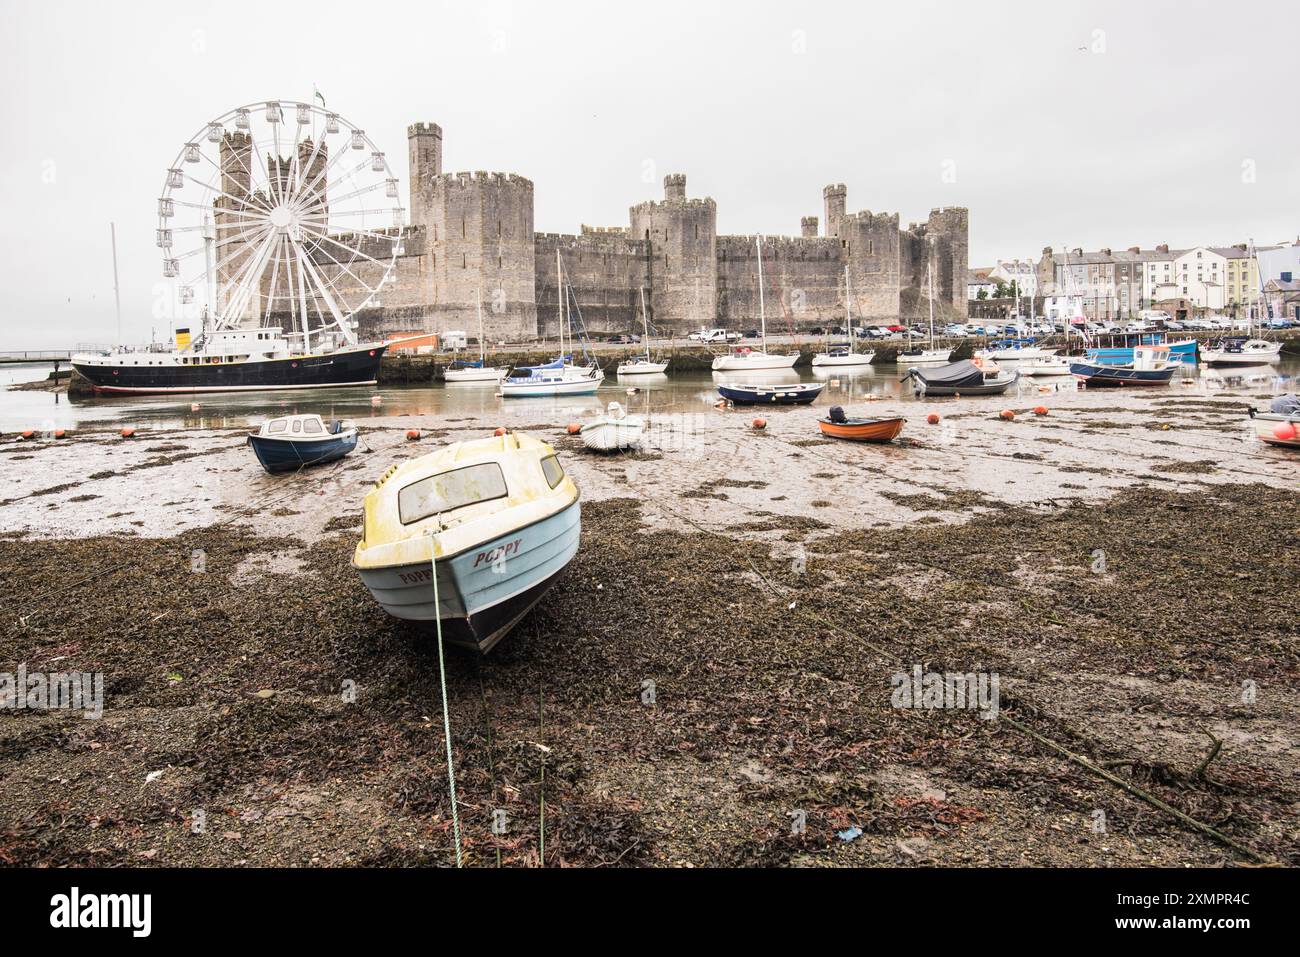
{"points": [[1151, 365], [799, 393], [292, 442], [472, 536], [1184, 351]]}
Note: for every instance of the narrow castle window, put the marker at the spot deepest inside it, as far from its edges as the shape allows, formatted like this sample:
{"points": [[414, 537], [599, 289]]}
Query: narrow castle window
{"points": [[462, 227], [462, 261], [498, 229]]}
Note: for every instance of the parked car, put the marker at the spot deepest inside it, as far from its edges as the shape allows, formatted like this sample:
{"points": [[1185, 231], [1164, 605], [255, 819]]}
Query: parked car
{"points": [[751, 334], [1281, 322]]}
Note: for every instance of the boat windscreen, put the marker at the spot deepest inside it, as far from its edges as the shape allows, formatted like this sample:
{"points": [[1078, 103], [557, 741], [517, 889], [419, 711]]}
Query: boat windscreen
{"points": [[451, 490]]}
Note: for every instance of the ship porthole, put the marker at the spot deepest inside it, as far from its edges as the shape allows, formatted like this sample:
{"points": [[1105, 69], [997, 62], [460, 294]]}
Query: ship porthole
{"points": [[372, 352], [114, 372], [293, 365]]}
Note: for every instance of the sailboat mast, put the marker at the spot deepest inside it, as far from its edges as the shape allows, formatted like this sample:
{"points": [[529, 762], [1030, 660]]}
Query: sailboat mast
{"points": [[929, 280], [559, 299], [645, 323], [117, 296], [762, 312], [482, 345]]}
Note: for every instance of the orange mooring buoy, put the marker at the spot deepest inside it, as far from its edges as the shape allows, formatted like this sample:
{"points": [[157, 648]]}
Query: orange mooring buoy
{"points": [[412, 434], [573, 428], [1040, 410], [60, 434], [27, 435], [1007, 415], [759, 424], [499, 432], [127, 433], [933, 418]]}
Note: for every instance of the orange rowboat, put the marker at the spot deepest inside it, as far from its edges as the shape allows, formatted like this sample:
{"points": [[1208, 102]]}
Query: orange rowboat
{"points": [[862, 430]]}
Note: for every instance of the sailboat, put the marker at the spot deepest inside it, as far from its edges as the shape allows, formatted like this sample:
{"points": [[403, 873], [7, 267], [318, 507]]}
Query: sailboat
{"points": [[931, 355], [475, 371], [842, 354], [745, 359], [642, 365], [561, 377]]}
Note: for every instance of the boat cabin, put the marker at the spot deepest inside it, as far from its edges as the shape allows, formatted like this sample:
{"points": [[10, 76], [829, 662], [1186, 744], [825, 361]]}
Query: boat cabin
{"points": [[1150, 357], [298, 427]]}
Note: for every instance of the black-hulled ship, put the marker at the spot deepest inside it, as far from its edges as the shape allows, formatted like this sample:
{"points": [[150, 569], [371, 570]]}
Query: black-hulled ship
{"points": [[230, 360]]}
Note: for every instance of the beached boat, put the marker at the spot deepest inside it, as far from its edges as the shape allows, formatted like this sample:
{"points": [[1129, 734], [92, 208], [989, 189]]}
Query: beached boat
{"points": [[1181, 351], [643, 364], [1281, 424], [837, 425], [745, 359], [1241, 352], [292, 442], [961, 378], [1151, 365], [465, 371], [473, 535], [1044, 366], [795, 393], [613, 430]]}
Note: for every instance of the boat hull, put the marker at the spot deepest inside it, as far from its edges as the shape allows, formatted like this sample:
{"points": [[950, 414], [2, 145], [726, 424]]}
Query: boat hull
{"points": [[753, 361], [473, 375], [610, 436], [642, 368], [286, 455], [1267, 425], [862, 430], [853, 359], [538, 386], [1096, 374], [484, 591], [328, 370], [804, 394]]}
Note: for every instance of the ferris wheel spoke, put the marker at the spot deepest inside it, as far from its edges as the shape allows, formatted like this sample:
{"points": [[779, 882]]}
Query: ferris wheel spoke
{"points": [[246, 278], [275, 281], [380, 184], [325, 292], [310, 195], [325, 237], [221, 172]]}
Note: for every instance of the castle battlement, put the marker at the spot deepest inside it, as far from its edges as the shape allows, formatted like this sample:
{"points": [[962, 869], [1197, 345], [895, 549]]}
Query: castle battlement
{"points": [[480, 177], [423, 129]]}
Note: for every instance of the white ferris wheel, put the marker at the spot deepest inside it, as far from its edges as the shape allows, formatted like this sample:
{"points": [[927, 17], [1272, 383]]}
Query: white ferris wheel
{"points": [[280, 214]]}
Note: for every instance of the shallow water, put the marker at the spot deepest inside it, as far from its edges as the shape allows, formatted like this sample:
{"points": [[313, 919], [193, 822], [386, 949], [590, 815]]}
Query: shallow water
{"points": [[687, 392]]}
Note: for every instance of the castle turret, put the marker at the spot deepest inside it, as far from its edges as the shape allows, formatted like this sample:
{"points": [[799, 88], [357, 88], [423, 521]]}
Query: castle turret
{"points": [[682, 254], [808, 227], [836, 196], [874, 253], [425, 142], [949, 228], [480, 236]]}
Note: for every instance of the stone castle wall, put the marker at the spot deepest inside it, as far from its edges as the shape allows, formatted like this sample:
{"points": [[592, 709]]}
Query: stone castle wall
{"points": [[474, 231]]}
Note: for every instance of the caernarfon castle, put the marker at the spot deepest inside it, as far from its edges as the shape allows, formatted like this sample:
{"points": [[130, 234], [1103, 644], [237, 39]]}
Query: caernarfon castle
{"points": [[474, 231]]}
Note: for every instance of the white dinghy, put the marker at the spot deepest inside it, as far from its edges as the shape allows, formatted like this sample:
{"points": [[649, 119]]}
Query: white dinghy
{"points": [[614, 430]]}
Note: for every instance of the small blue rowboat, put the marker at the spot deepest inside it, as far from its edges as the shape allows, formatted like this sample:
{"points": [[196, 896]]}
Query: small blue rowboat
{"points": [[292, 442], [799, 393]]}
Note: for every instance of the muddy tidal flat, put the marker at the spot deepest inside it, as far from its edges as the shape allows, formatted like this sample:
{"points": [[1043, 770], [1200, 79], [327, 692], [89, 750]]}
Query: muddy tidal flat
{"points": [[712, 681]]}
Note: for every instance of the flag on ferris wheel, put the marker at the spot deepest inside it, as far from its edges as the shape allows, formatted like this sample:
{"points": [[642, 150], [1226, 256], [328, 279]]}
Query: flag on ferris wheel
{"points": [[317, 94]]}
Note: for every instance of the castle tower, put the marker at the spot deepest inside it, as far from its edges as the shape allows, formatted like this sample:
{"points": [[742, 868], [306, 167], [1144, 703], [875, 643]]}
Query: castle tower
{"points": [[314, 178], [479, 236], [235, 156], [949, 228], [425, 143], [808, 227], [836, 196], [681, 237], [874, 255]]}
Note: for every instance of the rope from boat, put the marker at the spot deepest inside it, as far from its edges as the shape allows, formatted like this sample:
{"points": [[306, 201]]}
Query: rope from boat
{"points": [[896, 658], [446, 715]]}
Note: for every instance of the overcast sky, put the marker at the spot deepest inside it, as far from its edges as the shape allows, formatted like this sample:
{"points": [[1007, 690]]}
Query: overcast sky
{"points": [[1092, 124]]}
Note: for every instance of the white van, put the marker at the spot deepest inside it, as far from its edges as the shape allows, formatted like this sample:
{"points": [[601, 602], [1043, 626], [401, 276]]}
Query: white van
{"points": [[453, 339]]}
